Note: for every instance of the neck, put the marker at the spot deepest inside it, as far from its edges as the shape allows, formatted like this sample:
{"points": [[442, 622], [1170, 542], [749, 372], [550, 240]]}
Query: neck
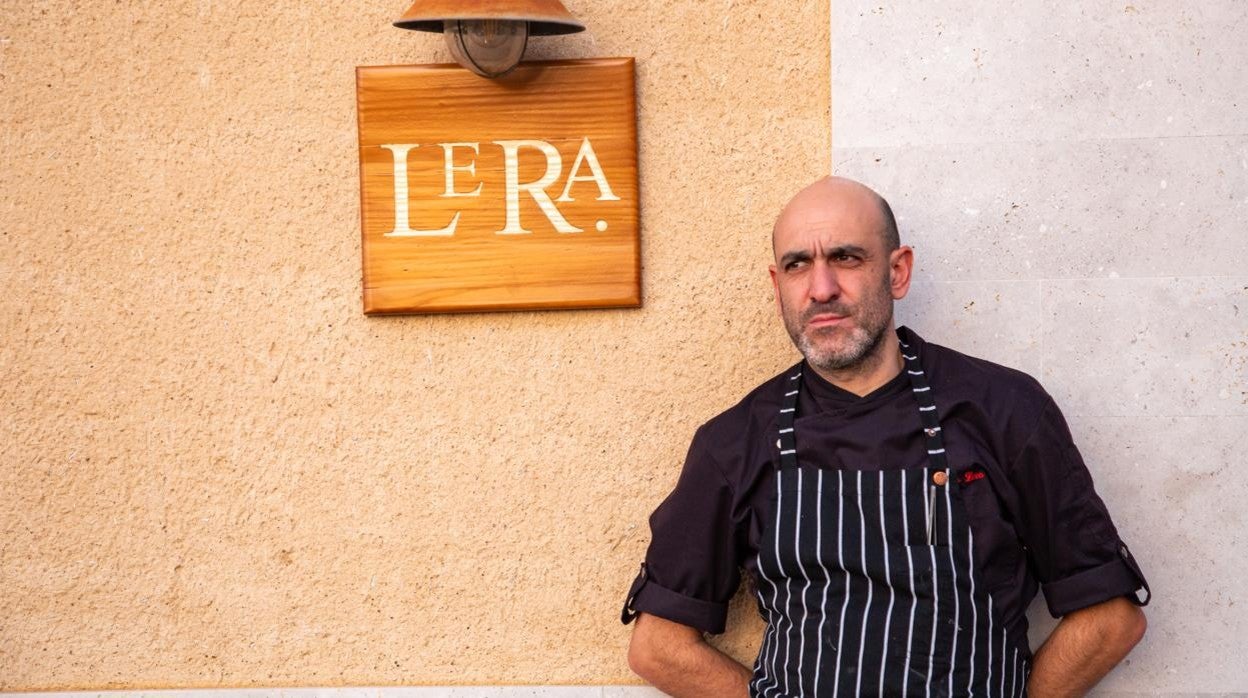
{"points": [[877, 368]]}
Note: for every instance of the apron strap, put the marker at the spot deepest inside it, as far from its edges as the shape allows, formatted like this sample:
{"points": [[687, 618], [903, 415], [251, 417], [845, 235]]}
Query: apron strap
{"points": [[927, 407], [788, 412], [928, 414]]}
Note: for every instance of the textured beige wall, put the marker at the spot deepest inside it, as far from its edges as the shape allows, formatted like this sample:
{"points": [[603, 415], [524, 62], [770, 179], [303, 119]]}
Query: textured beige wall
{"points": [[215, 471]]}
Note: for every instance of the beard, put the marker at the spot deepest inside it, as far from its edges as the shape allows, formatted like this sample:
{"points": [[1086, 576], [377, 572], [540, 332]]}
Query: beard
{"points": [[821, 347]]}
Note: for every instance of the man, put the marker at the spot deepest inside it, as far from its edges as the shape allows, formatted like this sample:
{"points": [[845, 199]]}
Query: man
{"points": [[897, 503]]}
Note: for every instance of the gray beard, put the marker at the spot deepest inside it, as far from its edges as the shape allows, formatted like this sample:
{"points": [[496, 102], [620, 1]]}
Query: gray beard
{"points": [[862, 343]]}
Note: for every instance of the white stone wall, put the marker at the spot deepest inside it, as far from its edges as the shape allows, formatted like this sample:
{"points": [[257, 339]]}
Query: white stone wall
{"points": [[1074, 180]]}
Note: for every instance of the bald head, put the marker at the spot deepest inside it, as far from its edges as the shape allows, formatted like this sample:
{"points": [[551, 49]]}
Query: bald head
{"points": [[842, 199]]}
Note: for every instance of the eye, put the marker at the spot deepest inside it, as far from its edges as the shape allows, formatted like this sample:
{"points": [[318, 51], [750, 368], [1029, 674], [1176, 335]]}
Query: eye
{"points": [[795, 265]]}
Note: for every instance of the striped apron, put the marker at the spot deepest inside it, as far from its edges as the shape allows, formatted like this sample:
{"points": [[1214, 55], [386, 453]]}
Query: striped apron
{"points": [[867, 583]]}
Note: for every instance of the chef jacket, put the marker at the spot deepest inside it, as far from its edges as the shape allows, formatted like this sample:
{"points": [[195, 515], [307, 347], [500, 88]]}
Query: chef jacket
{"points": [[1038, 524]]}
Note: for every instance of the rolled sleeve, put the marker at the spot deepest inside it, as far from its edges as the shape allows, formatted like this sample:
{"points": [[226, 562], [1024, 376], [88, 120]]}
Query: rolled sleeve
{"points": [[1070, 538], [691, 569], [1118, 577], [647, 596]]}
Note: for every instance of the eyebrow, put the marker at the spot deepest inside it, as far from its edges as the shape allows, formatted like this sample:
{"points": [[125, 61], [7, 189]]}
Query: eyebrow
{"points": [[804, 255]]}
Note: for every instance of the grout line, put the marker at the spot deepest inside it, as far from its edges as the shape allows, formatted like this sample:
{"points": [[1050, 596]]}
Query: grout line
{"points": [[1158, 415], [1040, 348], [1165, 277]]}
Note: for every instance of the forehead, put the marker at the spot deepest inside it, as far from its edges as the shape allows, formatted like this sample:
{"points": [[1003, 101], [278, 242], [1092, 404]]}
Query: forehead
{"points": [[829, 221]]}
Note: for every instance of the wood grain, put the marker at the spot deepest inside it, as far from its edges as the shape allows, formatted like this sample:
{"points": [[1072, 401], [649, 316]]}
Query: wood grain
{"points": [[557, 102]]}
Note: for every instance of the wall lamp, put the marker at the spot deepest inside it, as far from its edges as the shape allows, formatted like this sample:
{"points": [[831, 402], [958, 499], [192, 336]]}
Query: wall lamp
{"points": [[488, 37]]}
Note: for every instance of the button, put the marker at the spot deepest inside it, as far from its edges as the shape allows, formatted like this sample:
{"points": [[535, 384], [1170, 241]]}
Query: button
{"points": [[777, 443], [940, 477], [628, 613]]}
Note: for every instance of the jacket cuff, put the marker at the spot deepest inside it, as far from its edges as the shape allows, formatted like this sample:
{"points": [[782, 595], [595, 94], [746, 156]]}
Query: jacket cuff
{"points": [[645, 595], [1118, 577]]}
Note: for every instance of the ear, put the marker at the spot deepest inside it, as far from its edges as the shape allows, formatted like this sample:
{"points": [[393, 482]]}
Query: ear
{"points": [[901, 263], [775, 289]]}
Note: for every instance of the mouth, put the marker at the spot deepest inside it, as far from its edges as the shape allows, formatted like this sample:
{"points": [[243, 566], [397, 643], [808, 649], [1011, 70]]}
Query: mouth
{"points": [[826, 320]]}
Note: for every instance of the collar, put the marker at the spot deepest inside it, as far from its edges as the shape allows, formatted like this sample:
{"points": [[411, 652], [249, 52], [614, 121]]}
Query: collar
{"points": [[826, 393]]}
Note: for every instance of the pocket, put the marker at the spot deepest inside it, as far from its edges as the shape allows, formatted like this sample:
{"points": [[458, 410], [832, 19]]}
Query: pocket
{"points": [[917, 634], [936, 511], [904, 503], [910, 570], [1003, 564]]}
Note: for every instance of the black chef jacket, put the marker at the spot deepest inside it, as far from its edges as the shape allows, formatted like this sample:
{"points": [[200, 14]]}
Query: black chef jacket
{"points": [[1037, 521]]}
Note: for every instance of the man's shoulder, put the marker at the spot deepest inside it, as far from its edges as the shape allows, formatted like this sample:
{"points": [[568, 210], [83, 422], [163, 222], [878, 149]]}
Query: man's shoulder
{"points": [[958, 365], [752, 413], [993, 386]]}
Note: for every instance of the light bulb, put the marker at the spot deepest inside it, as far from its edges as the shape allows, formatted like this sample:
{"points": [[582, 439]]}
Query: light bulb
{"points": [[488, 47]]}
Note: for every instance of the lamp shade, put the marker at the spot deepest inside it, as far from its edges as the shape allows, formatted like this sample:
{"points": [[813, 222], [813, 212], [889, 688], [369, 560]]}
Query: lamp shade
{"points": [[545, 17]]}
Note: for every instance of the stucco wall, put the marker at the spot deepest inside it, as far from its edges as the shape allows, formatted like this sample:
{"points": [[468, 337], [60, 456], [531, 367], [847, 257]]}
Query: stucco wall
{"points": [[215, 471], [1074, 178]]}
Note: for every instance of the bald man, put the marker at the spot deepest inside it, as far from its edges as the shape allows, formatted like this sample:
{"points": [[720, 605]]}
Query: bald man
{"points": [[895, 504]]}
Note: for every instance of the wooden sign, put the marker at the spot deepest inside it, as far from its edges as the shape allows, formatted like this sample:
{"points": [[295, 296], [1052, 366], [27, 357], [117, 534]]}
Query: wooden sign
{"points": [[509, 194]]}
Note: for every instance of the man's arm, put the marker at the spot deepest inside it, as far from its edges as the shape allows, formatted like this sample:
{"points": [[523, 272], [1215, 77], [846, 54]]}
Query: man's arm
{"points": [[1083, 648], [678, 661]]}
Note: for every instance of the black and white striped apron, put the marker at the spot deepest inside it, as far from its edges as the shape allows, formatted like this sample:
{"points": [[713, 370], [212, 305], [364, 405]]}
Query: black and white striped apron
{"points": [[867, 582]]}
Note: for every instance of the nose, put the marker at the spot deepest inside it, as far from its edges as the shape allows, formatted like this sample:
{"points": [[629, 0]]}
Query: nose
{"points": [[823, 283]]}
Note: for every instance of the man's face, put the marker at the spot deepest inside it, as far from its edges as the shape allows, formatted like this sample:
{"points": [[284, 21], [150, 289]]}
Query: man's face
{"points": [[832, 278]]}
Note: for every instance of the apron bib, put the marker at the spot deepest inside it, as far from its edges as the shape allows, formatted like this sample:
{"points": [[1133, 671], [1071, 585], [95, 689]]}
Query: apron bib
{"points": [[867, 581]]}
